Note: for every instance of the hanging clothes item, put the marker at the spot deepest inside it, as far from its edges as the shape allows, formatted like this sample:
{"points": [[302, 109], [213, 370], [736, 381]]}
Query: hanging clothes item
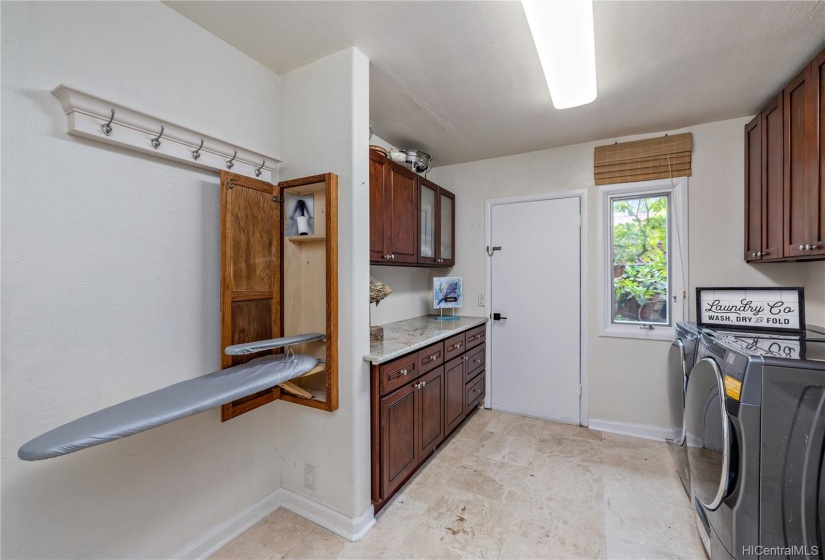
{"points": [[169, 404]]}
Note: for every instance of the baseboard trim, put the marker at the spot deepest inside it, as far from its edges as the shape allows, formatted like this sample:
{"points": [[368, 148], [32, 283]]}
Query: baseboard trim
{"points": [[351, 529], [644, 431], [212, 541]]}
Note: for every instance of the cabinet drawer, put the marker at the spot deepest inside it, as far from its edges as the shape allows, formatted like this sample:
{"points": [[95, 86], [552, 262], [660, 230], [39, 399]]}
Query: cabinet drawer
{"points": [[476, 336], [475, 392], [475, 361], [398, 373], [454, 346], [431, 357]]}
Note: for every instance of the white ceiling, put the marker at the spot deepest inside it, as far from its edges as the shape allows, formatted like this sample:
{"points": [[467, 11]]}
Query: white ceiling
{"points": [[462, 80]]}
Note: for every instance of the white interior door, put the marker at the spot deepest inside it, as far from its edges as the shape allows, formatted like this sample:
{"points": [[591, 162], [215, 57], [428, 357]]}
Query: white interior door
{"points": [[536, 289]]}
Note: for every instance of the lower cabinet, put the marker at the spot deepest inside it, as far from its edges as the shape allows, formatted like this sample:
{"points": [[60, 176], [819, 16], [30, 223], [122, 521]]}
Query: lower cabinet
{"points": [[414, 412], [453, 394]]}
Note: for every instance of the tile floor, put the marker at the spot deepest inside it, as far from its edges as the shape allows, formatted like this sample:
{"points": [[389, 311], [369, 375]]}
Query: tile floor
{"points": [[506, 486]]}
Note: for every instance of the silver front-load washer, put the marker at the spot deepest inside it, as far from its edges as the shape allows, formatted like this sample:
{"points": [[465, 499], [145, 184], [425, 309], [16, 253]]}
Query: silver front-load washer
{"points": [[680, 360]]}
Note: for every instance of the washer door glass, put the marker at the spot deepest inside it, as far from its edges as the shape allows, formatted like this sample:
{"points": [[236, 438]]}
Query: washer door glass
{"points": [[707, 432], [676, 389]]}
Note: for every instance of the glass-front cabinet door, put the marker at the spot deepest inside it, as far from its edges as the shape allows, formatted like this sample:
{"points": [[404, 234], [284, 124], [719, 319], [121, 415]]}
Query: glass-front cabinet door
{"points": [[446, 251], [427, 215]]}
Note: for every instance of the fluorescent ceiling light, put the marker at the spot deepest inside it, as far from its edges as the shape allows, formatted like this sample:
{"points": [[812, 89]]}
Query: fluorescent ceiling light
{"points": [[563, 33]]}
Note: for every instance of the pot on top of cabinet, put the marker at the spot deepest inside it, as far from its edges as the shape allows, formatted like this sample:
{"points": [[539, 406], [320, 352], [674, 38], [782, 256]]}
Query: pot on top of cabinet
{"points": [[412, 219]]}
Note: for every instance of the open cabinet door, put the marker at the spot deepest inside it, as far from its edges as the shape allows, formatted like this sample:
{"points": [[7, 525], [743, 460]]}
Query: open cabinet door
{"points": [[250, 275]]}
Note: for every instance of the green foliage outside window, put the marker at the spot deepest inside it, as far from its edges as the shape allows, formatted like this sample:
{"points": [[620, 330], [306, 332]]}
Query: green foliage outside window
{"points": [[640, 267]]}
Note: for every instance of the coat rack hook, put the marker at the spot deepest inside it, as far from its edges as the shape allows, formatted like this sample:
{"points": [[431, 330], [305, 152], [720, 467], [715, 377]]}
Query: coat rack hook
{"points": [[259, 170], [156, 141], [107, 128], [197, 153], [229, 164]]}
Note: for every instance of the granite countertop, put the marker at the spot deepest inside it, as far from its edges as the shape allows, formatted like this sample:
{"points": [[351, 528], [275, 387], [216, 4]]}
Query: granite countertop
{"points": [[409, 335]]}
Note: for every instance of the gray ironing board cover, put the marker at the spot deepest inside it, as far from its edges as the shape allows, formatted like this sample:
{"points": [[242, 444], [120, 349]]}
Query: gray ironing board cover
{"points": [[167, 405], [252, 347]]}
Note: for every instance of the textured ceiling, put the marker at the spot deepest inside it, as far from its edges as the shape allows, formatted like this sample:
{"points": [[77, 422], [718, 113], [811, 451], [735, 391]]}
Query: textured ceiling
{"points": [[462, 80]]}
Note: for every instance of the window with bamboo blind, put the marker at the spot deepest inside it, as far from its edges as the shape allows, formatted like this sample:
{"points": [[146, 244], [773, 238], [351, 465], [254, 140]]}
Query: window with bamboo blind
{"points": [[643, 160]]}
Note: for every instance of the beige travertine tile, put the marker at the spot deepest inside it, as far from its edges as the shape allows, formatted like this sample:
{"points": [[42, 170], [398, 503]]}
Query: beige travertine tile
{"points": [[564, 476], [488, 478], [623, 549], [502, 447], [653, 523], [463, 521], [318, 544], [506, 486]]}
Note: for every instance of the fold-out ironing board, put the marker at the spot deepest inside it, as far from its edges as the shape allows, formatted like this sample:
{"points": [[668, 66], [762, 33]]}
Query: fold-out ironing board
{"points": [[176, 401]]}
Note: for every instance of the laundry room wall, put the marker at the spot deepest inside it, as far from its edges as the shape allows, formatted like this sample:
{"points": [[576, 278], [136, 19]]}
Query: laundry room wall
{"points": [[326, 129], [627, 384], [110, 285]]}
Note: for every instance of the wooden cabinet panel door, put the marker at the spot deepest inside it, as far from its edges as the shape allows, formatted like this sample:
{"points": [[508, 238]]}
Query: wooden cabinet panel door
{"points": [[798, 124], [454, 385], [446, 228], [427, 221], [378, 218], [250, 274], [773, 173], [401, 220], [817, 169], [399, 445], [430, 406], [753, 189]]}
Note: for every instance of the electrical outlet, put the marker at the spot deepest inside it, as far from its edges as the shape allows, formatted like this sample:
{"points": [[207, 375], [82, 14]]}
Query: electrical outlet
{"points": [[309, 477], [481, 300]]}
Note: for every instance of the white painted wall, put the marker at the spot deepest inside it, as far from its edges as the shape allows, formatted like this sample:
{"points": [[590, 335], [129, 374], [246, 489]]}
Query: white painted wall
{"points": [[110, 281], [627, 383], [325, 129]]}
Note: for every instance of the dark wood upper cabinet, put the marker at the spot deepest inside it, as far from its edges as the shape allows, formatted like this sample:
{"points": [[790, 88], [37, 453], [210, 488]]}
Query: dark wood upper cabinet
{"points": [[393, 220], [412, 220], [753, 189], [436, 211], [773, 182], [796, 99], [785, 172], [818, 167]]}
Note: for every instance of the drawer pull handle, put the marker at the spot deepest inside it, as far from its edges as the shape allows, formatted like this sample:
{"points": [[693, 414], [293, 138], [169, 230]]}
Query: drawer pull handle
{"points": [[434, 356], [476, 390], [477, 361]]}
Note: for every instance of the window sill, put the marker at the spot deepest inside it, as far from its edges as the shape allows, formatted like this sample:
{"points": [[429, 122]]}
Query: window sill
{"points": [[635, 331]]}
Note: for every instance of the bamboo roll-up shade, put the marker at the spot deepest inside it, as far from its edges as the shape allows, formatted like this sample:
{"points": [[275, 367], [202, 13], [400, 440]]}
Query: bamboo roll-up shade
{"points": [[643, 160]]}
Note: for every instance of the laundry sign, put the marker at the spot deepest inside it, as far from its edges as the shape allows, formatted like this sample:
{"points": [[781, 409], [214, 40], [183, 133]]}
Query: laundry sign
{"points": [[765, 309]]}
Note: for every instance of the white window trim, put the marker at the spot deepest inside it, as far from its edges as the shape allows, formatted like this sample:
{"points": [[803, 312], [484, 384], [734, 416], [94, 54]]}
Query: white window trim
{"points": [[677, 188]]}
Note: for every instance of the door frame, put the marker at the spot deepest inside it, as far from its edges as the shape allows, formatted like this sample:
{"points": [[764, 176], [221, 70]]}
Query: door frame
{"points": [[584, 329]]}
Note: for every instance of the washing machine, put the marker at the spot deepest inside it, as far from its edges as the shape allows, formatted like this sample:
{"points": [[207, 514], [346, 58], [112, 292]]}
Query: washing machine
{"points": [[755, 437], [680, 360]]}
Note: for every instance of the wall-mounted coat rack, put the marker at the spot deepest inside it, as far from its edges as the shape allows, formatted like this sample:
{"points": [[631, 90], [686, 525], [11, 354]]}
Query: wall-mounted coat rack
{"points": [[113, 123]]}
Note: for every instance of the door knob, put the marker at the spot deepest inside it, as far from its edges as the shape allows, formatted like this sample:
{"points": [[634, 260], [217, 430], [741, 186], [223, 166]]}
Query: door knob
{"points": [[801, 247], [807, 247], [498, 317]]}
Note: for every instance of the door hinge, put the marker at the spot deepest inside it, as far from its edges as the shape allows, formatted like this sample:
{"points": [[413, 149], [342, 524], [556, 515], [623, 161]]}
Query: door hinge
{"points": [[276, 198], [580, 220]]}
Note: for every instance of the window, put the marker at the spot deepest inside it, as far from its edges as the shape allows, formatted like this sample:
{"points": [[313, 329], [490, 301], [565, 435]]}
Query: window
{"points": [[643, 257]]}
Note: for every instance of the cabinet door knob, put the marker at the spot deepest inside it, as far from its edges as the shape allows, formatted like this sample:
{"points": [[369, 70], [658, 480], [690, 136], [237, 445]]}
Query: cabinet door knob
{"points": [[404, 372], [813, 247], [434, 356], [807, 247], [423, 383], [759, 255], [753, 254], [801, 247], [477, 361]]}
